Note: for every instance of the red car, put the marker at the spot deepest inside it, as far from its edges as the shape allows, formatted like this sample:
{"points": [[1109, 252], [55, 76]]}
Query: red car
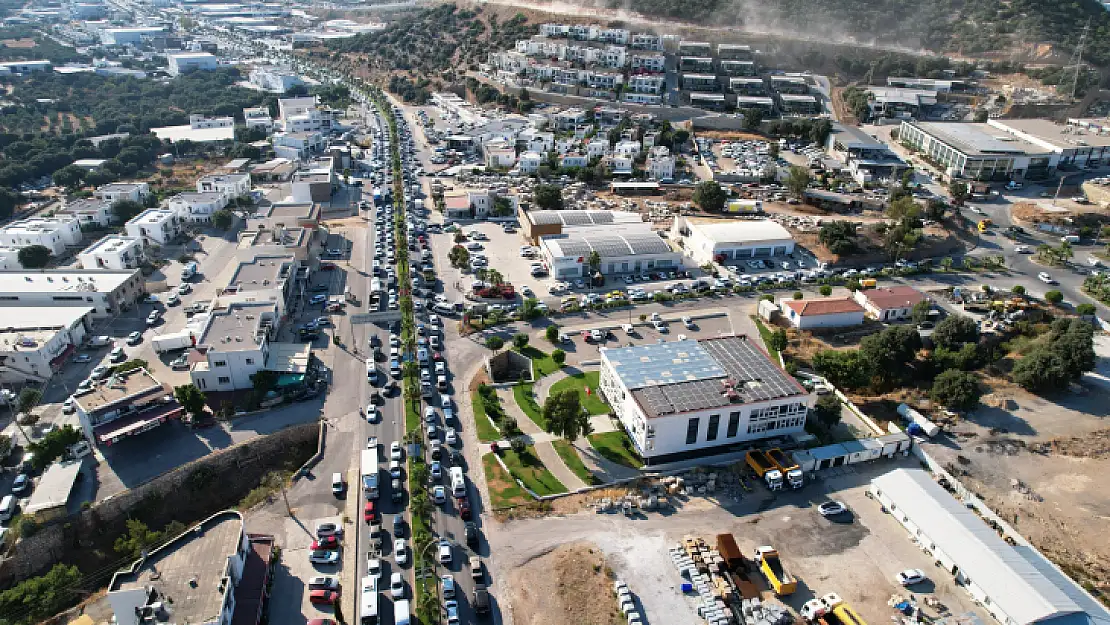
{"points": [[436, 356], [323, 596], [369, 513], [326, 542], [463, 504], [327, 266]]}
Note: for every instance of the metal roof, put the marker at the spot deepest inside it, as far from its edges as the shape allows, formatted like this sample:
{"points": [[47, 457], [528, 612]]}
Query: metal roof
{"points": [[1008, 578], [570, 218], [606, 245], [978, 139]]}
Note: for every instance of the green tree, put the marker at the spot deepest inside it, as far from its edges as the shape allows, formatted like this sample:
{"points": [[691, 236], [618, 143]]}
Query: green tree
{"points": [[920, 311], [797, 181], [839, 237], [559, 356], [903, 207], [28, 399], [137, 538], [1085, 309], [494, 343], [845, 369], [551, 333], [954, 331], [946, 263], [889, 352], [958, 390], [459, 257], [190, 397], [529, 308], [548, 197], [825, 290], [70, 176], [958, 191], [518, 444], [34, 256], [125, 210], [1041, 370], [798, 295], [1018, 290], [828, 411], [710, 197], [564, 415], [222, 219], [520, 340], [53, 446], [935, 209], [777, 341], [594, 261], [1054, 297], [34, 599]]}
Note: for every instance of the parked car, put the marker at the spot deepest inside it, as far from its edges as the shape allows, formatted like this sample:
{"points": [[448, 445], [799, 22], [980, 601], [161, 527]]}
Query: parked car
{"points": [[831, 508], [909, 577], [323, 582], [323, 557], [324, 597], [444, 552]]}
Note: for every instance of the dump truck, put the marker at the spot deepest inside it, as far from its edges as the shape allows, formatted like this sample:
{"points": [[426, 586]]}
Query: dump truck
{"points": [[782, 582], [764, 468], [785, 463], [733, 557], [830, 610]]}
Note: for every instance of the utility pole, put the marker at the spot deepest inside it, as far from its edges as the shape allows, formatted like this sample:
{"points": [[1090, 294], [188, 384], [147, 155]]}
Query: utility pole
{"points": [[1079, 56]]}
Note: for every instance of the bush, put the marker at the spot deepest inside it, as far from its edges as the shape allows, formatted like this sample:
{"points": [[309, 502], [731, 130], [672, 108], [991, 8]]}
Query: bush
{"points": [[1018, 290], [767, 297], [1085, 309], [495, 343], [956, 389], [1054, 297], [826, 290], [520, 340], [798, 295], [559, 356], [827, 410], [551, 333]]}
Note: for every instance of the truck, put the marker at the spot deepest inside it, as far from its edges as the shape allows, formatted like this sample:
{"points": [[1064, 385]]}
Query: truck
{"points": [[789, 468], [830, 610], [782, 582], [169, 342], [189, 270], [369, 470], [765, 469], [377, 196], [100, 341], [730, 552]]}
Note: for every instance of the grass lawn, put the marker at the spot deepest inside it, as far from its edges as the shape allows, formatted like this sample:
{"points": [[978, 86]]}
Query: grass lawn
{"points": [[570, 457], [579, 382], [765, 334], [523, 393], [412, 416], [504, 492], [611, 445], [542, 363], [487, 433], [528, 469]]}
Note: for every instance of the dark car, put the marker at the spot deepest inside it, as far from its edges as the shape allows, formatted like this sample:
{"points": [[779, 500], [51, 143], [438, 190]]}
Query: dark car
{"points": [[21, 484], [471, 531], [463, 504]]}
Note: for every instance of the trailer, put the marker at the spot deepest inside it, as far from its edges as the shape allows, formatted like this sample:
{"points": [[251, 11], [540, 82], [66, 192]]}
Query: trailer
{"points": [[369, 469], [788, 466], [169, 342], [730, 552], [781, 581], [764, 468]]}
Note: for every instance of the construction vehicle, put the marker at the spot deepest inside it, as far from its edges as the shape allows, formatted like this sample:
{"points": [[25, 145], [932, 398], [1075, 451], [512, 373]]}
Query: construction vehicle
{"points": [[789, 468], [830, 610], [984, 224], [736, 567], [764, 468], [730, 552], [782, 582]]}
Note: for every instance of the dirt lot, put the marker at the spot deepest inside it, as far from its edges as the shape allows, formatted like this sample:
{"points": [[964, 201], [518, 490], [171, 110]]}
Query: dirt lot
{"points": [[570, 584]]}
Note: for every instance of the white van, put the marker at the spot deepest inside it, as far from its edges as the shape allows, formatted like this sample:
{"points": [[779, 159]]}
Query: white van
{"points": [[7, 508], [458, 482], [337, 484]]}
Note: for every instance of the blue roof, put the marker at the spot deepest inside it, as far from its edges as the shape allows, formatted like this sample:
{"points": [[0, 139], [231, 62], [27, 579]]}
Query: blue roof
{"points": [[663, 363]]}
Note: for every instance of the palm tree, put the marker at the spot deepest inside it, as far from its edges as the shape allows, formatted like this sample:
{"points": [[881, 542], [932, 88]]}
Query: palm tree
{"points": [[1065, 252], [495, 277]]}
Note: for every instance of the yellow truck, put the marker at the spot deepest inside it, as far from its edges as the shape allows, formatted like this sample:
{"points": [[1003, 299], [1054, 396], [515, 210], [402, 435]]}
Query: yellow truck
{"points": [[789, 468], [765, 469], [830, 610], [780, 581]]}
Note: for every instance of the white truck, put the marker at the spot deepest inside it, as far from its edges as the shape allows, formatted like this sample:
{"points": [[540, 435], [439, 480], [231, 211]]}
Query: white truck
{"points": [[369, 472], [169, 342]]}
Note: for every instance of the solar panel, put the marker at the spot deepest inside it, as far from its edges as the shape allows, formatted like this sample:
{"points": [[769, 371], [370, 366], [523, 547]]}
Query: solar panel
{"points": [[646, 244], [573, 247], [575, 218], [608, 246]]}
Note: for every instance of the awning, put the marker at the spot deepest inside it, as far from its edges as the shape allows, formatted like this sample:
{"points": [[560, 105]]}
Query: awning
{"points": [[59, 360]]}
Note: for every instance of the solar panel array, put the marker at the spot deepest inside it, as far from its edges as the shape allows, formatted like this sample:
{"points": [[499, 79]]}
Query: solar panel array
{"points": [[647, 244], [572, 218], [759, 378], [572, 246], [660, 364]]}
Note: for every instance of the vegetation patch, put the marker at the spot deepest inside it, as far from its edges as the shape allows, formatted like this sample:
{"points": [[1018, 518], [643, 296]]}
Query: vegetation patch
{"points": [[524, 393], [487, 433], [616, 447], [504, 492], [528, 468], [579, 382], [574, 462]]}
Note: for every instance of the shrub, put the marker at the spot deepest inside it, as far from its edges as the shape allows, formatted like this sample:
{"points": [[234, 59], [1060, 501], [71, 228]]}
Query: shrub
{"points": [[798, 295], [1054, 297], [1085, 309], [559, 356], [551, 333], [826, 290], [1018, 290]]}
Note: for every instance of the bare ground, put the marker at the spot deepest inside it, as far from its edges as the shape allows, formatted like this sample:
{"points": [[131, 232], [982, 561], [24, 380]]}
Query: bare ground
{"points": [[572, 583]]}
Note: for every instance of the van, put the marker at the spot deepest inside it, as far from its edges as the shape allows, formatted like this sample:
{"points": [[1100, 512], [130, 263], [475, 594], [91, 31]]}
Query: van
{"points": [[7, 508], [458, 482], [1071, 238], [337, 485]]}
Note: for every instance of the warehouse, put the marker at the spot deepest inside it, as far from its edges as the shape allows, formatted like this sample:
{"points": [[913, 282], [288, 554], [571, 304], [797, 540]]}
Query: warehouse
{"points": [[685, 399], [977, 151], [629, 248], [708, 240], [1016, 584], [536, 224]]}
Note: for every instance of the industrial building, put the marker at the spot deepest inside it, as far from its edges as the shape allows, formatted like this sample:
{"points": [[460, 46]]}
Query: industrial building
{"points": [[36, 341], [708, 240], [625, 243], [866, 158], [539, 223], [106, 292], [1015, 583], [978, 151], [1078, 142], [190, 62], [684, 399]]}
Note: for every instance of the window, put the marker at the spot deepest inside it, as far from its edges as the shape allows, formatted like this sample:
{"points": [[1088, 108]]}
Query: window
{"points": [[692, 431], [250, 361], [219, 363], [714, 425], [733, 424], [223, 380]]}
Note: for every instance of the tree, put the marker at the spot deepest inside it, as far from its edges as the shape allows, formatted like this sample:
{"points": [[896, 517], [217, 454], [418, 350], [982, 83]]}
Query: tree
{"points": [[70, 176], [594, 261], [777, 341], [798, 295], [954, 331], [844, 369], [797, 181], [1085, 309], [1041, 370], [903, 207], [191, 398], [459, 257], [946, 263], [222, 219], [1018, 290], [920, 311], [559, 356], [935, 209], [889, 352], [839, 237], [563, 413], [828, 409], [139, 537], [520, 340], [518, 444], [494, 343], [1054, 297], [36, 598], [551, 333], [958, 191], [495, 278], [124, 210], [548, 197], [710, 197], [53, 446], [825, 290], [958, 390], [34, 256], [28, 399]]}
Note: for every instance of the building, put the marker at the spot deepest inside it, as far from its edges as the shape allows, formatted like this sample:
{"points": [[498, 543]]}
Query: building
{"points": [[24, 67], [792, 104], [123, 405], [645, 41], [926, 84], [977, 151], [696, 64], [312, 185], [898, 103], [274, 79], [685, 399], [107, 292], [574, 159], [260, 278], [129, 36], [231, 186], [694, 48], [748, 87], [822, 313], [529, 162], [214, 573], [712, 101], [1016, 584], [298, 146], [304, 115], [708, 240], [197, 207], [88, 212], [630, 247], [116, 191], [540, 223], [646, 84], [734, 51], [53, 233], [37, 341], [258, 117], [738, 68], [891, 303], [115, 252], [236, 340], [155, 226], [700, 82], [866, 158], [502, 157], [90, 164], [789, 84], [660, 164], [655, 63], [1074, 143], [200, 129], [190, 62], [285, 215], [50, 498]]}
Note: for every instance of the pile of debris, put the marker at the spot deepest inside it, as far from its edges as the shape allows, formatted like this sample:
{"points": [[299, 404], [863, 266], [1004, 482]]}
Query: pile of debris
{"points": [[694, 561]]}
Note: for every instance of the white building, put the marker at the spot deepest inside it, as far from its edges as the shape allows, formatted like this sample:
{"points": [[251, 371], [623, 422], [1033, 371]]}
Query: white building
{"points": [[660, 164], [1015, 583], [129, 36], [54, 233], [501, 158], [107, 292], [624, 245], [9, 259], [298, 146], [229, 185], [707, 240], [645, 41], [534, 140], [190, 62], [24, 67], [200, 129], [809, 314], [978, 151], [274, 79], [574, 159], [114, 252], [529, 162], [305, 115], [89, 212], [1078, 142], [155, 226], [258, 117], [891, 303], [134, 191], [197, 207], [235, 343], [36, 341], [684, 399], [648, 63]]}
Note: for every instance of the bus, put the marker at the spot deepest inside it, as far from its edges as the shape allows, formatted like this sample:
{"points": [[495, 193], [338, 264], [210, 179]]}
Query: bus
{"points": [[368, 610], [369, 471]]}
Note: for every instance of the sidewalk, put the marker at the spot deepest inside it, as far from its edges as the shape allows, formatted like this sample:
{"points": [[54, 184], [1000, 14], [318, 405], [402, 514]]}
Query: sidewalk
{"points": [[554, 463], [540, 440], [600, 466]]}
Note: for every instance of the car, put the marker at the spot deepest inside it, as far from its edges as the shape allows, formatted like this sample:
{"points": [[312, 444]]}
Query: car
{"points": [[831, 508], [1023, 249], [318, 299], [374, 567], [395, 450], [1044, 277], [328, 529], [185, 289], [909, 577], [688, 322], [439, 494], [325, 542], [173, 300], [134, 338], [471, 532], [444, 552], [153, 317], [397, 585], [324, 597], [436, 471], [22, 484], [179, 363], [323, 582], [323, 557], [476, 568], [433, 432], [400, 552], [370, 512], [69, 406], [451, 437], [99, 372], [452, 608], [448, 582]]}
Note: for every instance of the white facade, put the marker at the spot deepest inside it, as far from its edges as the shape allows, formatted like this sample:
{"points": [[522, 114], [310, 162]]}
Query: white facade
{"points": [[106, 292], [660, 164], [36, 342], [297, 146], [52, 233], [200, 122], [155, 226], [229, 185], [574, 159], [112, 252], [705, 240], [24, 67], [627, 146], [197, 207], [134, 191], [89, 212], [822, 313], [597, 147], [258, 117], [501, 158], [648, 63], [274, 79], [646, 41], [529, 162], [190, 61], [129, 36], [237, 344], [537, 140]]}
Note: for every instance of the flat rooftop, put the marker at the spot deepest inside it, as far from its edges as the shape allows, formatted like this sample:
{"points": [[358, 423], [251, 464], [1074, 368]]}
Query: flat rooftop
{"points": [[978, 139], [852, 137], [234, 328], [36, 225], [724, 232], [153, 216], [201, 135], [189, 568], [608, 243], [261, 272], [291, 211], [54, 487], [133, 386], [23, 318], [236, 177], [686, 376], [1062, 136], [582, 218], [63, 281]]}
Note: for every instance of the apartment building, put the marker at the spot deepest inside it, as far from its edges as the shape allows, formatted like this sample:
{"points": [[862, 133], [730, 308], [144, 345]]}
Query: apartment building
{"points": [[660, 164], [37, 341], [258, 117], [197, 207], [155, 226], [648, 63], [190, 62], [53, 233], [114, 252], [88, 212], [645, 41], [645, 83], [229, 185], [133, 191]]}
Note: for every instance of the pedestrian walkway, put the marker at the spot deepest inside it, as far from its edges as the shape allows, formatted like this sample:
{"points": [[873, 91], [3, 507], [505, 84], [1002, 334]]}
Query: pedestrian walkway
{"points": [[554, 463], [605, 469]]}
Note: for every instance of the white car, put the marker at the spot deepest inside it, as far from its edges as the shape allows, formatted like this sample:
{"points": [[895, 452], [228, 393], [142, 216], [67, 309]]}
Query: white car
{"points": [[395, 450], [909, 577], [374, 567], [397, 586], [1044, 277], [451, 436], [439, 494], [444, 552], [688, 322], [400, 552], [372, 414]]}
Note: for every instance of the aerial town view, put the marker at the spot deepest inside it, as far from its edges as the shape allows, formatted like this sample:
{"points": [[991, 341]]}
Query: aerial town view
{"points": [[554, 312]]}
